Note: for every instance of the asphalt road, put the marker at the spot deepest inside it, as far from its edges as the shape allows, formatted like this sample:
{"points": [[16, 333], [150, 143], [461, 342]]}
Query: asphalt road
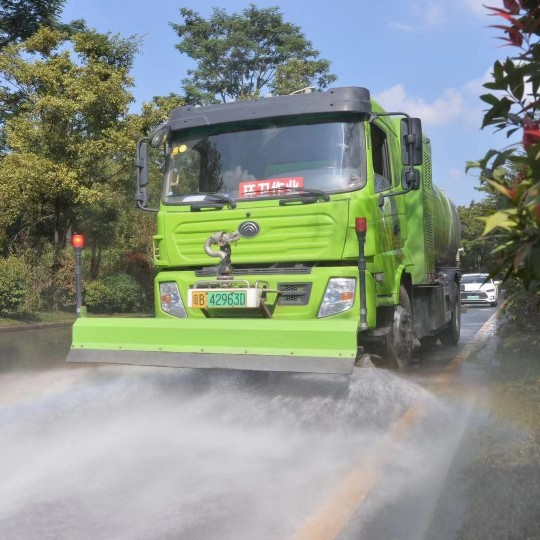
{"points": [[120, 452]]}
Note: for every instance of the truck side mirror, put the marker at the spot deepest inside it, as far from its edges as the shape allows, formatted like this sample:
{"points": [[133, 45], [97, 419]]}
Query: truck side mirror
{"points": [[141, 163], [410, 179], [411, 141]]}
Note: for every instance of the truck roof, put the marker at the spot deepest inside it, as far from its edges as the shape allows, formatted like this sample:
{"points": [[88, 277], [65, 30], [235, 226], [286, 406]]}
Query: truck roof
{"points": [[353, 99]]}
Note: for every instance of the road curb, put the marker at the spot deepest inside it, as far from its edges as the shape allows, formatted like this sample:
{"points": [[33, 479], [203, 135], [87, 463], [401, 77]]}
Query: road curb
{"points": [[35, 326]]}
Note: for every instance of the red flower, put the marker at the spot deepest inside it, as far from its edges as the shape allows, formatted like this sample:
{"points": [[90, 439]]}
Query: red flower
{"points": [[531, 132], [505, 15], [512, 6], [515, 37]]}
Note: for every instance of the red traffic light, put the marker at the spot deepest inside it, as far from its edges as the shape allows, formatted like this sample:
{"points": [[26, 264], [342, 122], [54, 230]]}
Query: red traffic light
{"points": [[77, 241]]}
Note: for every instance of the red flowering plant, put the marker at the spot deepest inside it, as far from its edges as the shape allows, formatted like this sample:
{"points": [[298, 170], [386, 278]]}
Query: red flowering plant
{"points": [[514, 172]]}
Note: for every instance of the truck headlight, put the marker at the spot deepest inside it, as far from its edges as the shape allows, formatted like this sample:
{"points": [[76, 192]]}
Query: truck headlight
{"points": [[338, 297], [171, 301]]}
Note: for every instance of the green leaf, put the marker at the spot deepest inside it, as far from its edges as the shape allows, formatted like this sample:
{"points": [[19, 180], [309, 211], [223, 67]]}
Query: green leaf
{"points": [[510, 132], [517, 88], [472, 165], [490, 98], [498, 71], [501, 158], [494, 86], [499, 174], [505, 246], [502, 219], [499, 187]]}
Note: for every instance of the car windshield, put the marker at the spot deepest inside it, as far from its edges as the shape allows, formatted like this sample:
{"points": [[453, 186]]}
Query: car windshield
{"points": [[473, 278], [266, 161]]}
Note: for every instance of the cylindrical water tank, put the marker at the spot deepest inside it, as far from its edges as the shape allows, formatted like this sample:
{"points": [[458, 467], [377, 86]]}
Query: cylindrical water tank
{"points": [[446, 229]]}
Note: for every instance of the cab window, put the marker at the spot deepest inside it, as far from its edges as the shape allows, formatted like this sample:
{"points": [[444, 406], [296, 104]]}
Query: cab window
{"points": [[381, 159]]}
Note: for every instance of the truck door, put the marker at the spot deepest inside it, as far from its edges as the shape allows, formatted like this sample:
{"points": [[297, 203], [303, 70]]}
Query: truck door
{"points": [[388, 255]]}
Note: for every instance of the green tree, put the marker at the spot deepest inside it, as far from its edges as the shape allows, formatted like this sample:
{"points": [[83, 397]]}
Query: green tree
{"points": [[238, 56], [20, 19], [514, 172], [65, 142], [478, 256]]}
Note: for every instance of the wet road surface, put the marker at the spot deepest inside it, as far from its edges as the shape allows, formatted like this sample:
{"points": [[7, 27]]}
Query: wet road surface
{"points": [[131, 452]]}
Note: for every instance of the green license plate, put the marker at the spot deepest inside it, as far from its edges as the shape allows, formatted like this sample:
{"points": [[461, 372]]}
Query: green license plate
{"points": [[219, 299], [474, 297]]}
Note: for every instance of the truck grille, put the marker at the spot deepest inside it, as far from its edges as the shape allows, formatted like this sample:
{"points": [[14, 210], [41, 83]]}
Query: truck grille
{"points": [[294, 294]]}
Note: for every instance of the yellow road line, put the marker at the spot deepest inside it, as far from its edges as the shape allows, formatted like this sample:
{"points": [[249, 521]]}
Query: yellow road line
{"points": [[327, 522], [332, 516], [474, 344]]}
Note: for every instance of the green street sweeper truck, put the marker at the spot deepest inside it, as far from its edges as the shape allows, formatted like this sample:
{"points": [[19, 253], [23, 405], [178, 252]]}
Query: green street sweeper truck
{"points": [[294, 233]]}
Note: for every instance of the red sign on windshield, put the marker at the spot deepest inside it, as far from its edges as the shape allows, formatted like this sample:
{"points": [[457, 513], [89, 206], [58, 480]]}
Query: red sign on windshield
{"points": [[271, 186]]}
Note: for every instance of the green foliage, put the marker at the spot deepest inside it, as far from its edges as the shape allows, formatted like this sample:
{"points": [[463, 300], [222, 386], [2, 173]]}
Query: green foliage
{"points": [[114, 293], [53, 276], [298, 73], [63, 284], [239, 55], [478, 256], [20, 19], [521, 313], [63, 138], [514, 173], [13, 284]]}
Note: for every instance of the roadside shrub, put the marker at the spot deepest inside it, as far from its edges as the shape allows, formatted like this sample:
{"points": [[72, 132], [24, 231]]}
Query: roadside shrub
{"points": [[117, 292], [139, 267], [64, 281], [53, 279], [13, 284], [37, 258], [112, 261]]}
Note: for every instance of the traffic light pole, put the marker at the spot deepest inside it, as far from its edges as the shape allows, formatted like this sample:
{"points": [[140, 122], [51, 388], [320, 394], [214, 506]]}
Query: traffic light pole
{"points": [[78, 280], [77, 241]]}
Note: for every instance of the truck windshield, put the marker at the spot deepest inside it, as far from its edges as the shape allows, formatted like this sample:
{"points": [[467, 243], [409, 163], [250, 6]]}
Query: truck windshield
{"points": [[266, 162]]}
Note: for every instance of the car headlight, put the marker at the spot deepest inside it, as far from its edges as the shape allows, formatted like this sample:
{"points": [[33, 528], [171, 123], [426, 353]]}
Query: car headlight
{"points": [[489, 290], [171, 301], [338, 297]]}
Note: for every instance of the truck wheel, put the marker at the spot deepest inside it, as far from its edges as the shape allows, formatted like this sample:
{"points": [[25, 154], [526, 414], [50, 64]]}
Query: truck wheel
{"points": [[399, 342], [450, 335]]}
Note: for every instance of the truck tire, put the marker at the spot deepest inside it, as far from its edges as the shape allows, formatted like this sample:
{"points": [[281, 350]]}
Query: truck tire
{"points": [[450, 334], [399, 341]]}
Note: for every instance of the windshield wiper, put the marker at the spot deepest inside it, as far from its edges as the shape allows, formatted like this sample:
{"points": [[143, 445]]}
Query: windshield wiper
{"points": [[323, 195], [222, 198], [206, 200]]}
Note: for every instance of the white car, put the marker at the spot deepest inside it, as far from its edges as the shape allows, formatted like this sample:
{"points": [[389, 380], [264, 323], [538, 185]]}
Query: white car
{"points": [[479, 289]]}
